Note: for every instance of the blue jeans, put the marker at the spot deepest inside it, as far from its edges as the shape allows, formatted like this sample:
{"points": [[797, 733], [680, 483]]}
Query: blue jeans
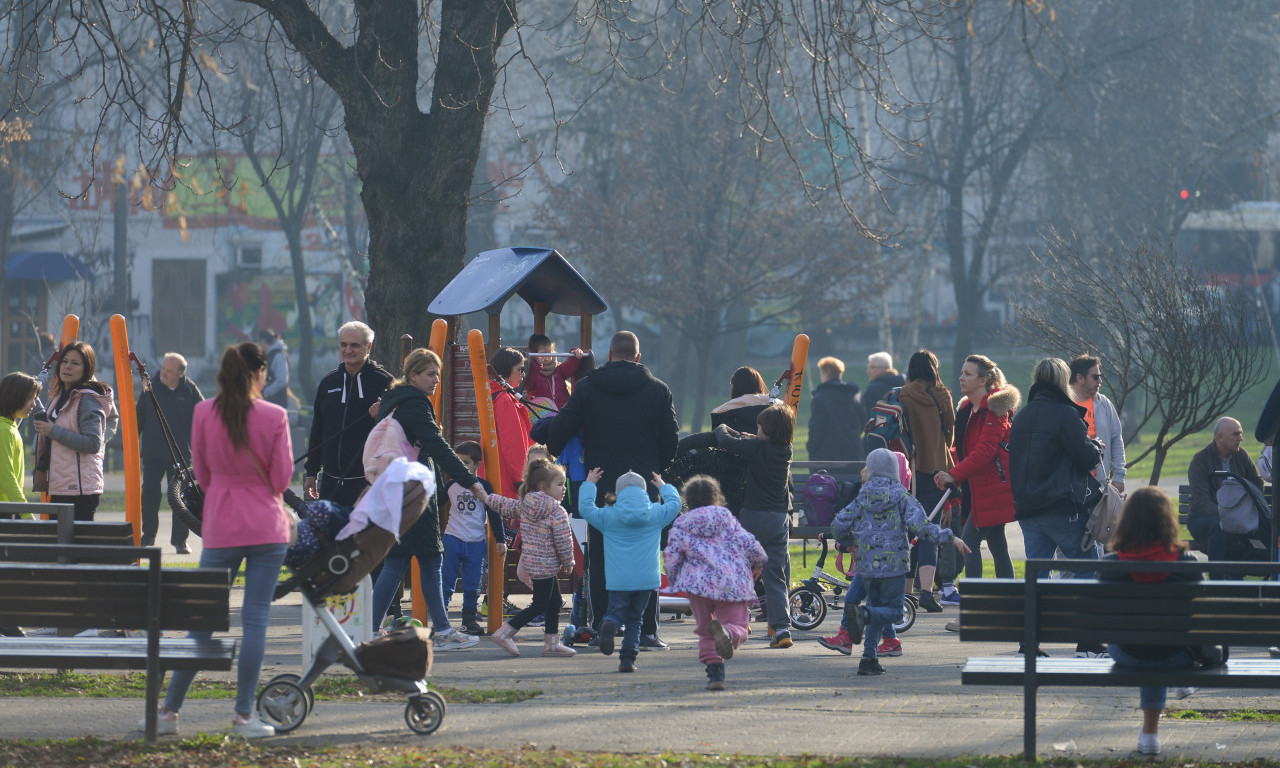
{"points": [[261, 572], [1150, 697], [467, 557], [884, 607], [853, 598], [388, 586], [1045, 534], [628, 608]]}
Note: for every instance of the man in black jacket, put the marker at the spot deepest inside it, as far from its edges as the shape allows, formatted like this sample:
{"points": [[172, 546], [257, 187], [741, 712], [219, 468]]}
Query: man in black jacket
{"points": [[177, 396], [345, 405], [628, 423], [836, 416], [1224, 453]]}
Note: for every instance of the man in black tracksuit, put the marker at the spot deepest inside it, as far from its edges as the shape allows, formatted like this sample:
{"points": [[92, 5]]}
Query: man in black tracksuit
{"points": [[628, 423], [342, 418], [177, 396]]}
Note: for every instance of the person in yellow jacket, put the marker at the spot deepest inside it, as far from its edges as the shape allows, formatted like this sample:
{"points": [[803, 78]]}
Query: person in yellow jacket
{"points": [[18, 393]]}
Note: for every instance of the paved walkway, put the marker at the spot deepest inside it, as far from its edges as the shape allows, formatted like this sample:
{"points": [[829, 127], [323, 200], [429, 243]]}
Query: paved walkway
{"points": [[801, 700]]}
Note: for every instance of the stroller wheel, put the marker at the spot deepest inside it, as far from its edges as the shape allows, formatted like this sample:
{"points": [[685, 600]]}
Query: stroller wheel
{"points": [[424, 714], [808, 608], [283, 704]]}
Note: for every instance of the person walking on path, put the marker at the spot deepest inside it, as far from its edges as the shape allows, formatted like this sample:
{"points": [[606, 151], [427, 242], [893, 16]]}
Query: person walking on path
{"points": [[627, 422], [712, 558], [242, 457], [177, 396], [277, 386], [836, 416], [346, 405]]}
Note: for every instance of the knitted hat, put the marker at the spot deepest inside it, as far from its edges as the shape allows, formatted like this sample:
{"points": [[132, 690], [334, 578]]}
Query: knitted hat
{"points": [[882, 463], [628, 480]]}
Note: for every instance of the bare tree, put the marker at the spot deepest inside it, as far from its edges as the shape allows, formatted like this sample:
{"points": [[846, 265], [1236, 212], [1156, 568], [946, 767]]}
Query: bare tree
{"points": [[1192, 346]]}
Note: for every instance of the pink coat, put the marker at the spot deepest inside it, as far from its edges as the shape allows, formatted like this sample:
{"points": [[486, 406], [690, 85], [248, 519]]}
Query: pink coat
{"points": [[710, 554], [240, 508]]}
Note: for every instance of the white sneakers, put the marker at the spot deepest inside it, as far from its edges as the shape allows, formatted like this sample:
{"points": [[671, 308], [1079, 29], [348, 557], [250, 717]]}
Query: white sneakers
{"points": [[453, 640], [244, 727], [1148, 743], [166, 724]]}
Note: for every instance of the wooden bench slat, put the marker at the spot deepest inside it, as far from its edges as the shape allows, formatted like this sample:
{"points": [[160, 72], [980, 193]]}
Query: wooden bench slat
{"points": [[114, 653], [1238, 673]]}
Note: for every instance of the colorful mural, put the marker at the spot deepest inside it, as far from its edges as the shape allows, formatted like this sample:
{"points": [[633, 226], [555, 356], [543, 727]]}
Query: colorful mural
{"points": [[250, 301]]}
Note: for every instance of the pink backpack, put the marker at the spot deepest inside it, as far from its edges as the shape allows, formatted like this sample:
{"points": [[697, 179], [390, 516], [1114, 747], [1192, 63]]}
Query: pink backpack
{"points": [[386, 443]]}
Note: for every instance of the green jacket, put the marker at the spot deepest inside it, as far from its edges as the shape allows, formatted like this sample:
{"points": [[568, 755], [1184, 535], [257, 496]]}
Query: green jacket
{"points": [[11, 461]]}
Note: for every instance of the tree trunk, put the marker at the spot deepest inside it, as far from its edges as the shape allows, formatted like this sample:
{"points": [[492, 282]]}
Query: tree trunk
{"points": [[306, 338], [703, 366]]}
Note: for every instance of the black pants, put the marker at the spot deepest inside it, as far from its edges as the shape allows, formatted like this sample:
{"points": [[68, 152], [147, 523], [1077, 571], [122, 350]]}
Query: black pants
{"points": [[547, 602], [153, 471], [344, 492], [600, 592], [85, 506]]}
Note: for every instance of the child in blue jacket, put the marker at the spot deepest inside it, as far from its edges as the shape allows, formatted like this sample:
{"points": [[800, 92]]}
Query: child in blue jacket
{"points": [[632, 530], [879, 524]]}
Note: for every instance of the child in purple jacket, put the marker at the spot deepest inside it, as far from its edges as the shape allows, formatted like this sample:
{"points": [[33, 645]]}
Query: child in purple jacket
{"points": [[714, 560]]}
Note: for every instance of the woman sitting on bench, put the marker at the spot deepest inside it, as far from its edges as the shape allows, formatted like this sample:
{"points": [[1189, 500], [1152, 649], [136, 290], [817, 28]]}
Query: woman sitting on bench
{"points": [[1148, 531]]}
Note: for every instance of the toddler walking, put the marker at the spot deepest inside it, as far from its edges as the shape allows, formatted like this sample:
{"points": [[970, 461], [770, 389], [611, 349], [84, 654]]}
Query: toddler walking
{"points": [[632, 531], [546, 551], [879, 524], [465, 539], [713, 559]]}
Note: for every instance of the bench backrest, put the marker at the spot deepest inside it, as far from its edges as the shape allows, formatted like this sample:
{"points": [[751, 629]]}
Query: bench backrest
{"points": [[82, 532], [109, 596], [1244, 613]]}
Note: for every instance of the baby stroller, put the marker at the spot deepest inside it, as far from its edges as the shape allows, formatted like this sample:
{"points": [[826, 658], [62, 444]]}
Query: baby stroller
{"points": [[321, 566]]}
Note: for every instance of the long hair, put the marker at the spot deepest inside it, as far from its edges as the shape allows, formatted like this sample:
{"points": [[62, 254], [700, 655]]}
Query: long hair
{"points": [[746, 381], [16, 390], [416, 362], [505, 361], [923, 366], [90, 368], [235, 389], [1147, 520], [539, 476]]}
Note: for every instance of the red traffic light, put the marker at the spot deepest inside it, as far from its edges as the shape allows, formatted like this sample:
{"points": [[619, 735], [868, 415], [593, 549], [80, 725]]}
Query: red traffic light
{"points": [[1185, 194]]}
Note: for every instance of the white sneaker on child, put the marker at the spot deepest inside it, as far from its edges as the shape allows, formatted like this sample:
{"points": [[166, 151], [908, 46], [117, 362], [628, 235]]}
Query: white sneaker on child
{"points": [[251, 727], [1148, 743], [453, 640]]}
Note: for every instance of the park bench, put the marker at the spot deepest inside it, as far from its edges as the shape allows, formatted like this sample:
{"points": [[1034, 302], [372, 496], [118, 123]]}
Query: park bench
{"points": [[38, 590], [1035, 611], [800, 471]]}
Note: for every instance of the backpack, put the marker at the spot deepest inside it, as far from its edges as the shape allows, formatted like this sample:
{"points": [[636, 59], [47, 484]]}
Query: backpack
{"points": [[887, 426], [1237, 510], [386, 442], [824, 496]]}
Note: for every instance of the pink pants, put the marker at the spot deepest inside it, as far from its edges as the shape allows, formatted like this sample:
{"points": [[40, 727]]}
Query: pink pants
{"points": [[733, 615]]}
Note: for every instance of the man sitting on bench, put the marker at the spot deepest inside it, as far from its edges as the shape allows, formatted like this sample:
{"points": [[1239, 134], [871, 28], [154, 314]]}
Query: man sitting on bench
{"points": [[1224, 453]]}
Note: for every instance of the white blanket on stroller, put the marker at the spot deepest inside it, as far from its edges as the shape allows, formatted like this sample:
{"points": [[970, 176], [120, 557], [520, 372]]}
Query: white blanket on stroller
{"points": [[382, 503]]}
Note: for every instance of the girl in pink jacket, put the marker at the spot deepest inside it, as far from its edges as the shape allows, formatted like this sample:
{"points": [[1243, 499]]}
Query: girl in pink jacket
{"points": [[714, 560], [243, 459]]}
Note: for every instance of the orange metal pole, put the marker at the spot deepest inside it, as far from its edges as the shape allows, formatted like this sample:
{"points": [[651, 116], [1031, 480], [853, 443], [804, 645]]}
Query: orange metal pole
{"points": [[128, 426], [799, 356], [439, 330], [492, 469]]}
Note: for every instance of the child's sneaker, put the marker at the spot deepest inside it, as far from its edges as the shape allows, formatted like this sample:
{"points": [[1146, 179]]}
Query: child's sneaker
{"points": [[453, 640], [781, 639], [627, 665], [724, 643], [891, 646], [715, 677], [607, 631], [868, 666], [166, 723], [537, 621], [1148, 743], [951, 597], [251, 727], [472, 628], [838, 642], [858, 625]]}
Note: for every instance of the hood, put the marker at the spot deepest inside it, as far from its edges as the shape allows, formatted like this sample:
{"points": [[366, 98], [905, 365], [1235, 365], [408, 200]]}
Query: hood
{"points": [[104, 397], [1000, 402], [619, 377], [841, 389], [1043, 391], [880, 493], [394, 398], [919, 393], [707, 522], [632, 506], [538, 506], [742, 401]]}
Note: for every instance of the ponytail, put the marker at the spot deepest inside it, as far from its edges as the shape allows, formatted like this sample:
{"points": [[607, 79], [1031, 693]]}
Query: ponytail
{"points": [[235, 389]]}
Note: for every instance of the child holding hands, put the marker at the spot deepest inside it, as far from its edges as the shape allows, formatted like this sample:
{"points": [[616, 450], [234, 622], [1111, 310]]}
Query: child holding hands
{"points": [[632, 530], [546, 551], [713, 559], [879, 524]]}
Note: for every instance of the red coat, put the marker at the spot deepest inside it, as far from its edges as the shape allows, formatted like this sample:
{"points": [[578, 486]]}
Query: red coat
{"points": [[982, 456], [511, 422]]}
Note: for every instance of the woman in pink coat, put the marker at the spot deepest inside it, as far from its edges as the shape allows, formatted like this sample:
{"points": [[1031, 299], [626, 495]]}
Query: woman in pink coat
{"points": [[242, 457]]}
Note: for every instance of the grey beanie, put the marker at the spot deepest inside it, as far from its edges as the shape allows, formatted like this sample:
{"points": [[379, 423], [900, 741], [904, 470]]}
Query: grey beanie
{"points": [[882, 463], [628, 480]]}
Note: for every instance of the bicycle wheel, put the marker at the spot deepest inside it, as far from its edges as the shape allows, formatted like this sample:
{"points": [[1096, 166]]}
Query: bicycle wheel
{"points": [[808, 608], [908, 615]]}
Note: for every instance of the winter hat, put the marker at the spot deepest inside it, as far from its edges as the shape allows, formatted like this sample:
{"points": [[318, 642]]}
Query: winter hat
{"points": [[904, 470], [882, 463], [628, 480]]}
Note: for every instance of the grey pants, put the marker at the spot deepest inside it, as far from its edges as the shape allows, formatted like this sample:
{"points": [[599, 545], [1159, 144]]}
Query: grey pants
{"points": [[771, 529]]}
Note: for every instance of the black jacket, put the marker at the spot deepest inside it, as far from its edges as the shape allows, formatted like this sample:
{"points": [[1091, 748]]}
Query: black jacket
{"points": [[179, 407], [876, 390], [417, 417], [342, 401], [1204, 490], [835, 423], [1049, 448], [627, 421], [768, 469]]}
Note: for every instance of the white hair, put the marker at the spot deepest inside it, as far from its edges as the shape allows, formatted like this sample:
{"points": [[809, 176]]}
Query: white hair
{"points": [[880, 360], [182, 361], [356, 325]]}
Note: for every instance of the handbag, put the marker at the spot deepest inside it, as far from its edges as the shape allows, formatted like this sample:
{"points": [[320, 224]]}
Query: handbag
{"points": [[1237, 512], [40, 475], [1104, 518]]}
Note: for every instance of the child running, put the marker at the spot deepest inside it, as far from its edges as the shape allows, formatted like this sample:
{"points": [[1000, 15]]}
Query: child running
{"points": [[546, 551], [713, 559], [632, 530], [879, 524]]}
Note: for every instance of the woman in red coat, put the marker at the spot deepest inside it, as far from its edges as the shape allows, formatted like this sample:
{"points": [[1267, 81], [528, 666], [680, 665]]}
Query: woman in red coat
{"points": [[510, 420], [982, 463]]}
